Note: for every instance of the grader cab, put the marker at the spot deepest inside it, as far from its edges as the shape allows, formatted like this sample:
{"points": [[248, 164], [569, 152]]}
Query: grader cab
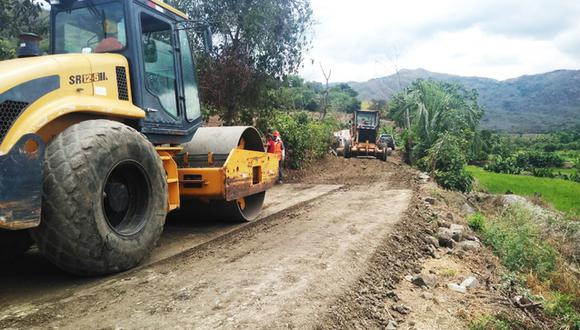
{"points": [[364, 133], [102, 138]]}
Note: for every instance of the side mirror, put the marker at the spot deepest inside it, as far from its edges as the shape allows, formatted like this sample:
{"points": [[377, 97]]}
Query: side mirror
{"points": [[207, 39], [150, 50]]}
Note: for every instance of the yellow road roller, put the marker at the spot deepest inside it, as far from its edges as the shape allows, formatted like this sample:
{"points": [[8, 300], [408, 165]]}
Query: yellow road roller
{"points": [[102, 138]]}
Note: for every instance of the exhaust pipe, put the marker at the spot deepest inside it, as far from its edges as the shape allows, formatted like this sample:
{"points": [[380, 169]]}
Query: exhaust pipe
{"points": [[28, 45]]}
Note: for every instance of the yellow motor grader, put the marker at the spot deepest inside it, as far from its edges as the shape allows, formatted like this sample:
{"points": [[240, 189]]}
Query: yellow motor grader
{"points": [[102, 138], [364, 133]]}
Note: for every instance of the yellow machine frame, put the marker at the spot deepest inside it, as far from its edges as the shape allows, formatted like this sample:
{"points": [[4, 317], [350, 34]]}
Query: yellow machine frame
{"points": [[245, 172]]}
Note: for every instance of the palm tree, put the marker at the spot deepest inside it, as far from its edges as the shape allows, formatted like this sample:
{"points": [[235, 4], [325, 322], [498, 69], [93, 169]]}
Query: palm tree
{"points": [[434, 108]]}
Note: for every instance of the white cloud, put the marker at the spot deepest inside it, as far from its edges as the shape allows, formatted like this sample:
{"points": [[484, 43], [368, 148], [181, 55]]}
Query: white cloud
{"points": [[499, 39]]}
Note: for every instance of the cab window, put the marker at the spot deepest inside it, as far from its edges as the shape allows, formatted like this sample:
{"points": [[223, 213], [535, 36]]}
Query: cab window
{"points": [[366, 119], [159, 57], [192, 107], [91, 29]]}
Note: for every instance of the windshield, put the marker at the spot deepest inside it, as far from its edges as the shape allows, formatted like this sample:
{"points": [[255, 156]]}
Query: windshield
{"points": [[366, 119], [91, 29]]}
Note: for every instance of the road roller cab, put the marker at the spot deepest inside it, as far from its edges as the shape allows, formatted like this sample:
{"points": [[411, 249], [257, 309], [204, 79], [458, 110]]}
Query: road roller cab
{"points": [[102, 138], [154, 38]]}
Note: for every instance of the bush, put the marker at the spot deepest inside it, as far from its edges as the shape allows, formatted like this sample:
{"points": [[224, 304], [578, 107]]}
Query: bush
{"points": [[516, 240], [560, 306], [462, 180], [506, 165], [305, 139], [446, 160], [543, 172], [476, 222], [575, 177], [489, 322], [537, 159]]}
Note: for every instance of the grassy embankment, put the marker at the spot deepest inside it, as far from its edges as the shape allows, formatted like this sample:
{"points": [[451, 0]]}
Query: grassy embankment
{"points": [[538, 269], [563, 195]]}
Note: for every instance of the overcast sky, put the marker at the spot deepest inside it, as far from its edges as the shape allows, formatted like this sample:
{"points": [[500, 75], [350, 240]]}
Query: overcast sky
{"points": [[501, 39]]}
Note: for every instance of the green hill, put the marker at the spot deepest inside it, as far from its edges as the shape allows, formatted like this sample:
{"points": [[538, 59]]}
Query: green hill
{"points": [[528, 104]]}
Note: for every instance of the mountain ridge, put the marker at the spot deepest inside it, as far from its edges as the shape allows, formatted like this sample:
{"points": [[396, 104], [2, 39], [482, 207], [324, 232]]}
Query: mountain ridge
{"points": [[535, 103]]}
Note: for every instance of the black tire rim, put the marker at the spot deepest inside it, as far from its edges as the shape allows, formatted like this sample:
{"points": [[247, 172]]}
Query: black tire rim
{"points": [[126, 198]]}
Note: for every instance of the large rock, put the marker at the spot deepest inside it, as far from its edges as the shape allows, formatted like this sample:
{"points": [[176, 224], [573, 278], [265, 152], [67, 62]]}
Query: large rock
{"points": [[443, 223], [471, 238], [401, 309], [456, 288], [423, 178], [430, 200], [469, 245], [466, 209], [422, 280], [470, 283], [427, 295], [445, 237], [431, 240], [457, 232], [393, 295]]}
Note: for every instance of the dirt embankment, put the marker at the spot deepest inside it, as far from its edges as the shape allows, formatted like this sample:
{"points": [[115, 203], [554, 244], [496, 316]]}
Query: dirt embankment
{"points": [[417, 277]]}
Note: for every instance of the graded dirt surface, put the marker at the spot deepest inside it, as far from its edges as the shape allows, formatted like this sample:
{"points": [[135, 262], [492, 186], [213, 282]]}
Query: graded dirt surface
{"points": [[288, 270], [32, 277]]}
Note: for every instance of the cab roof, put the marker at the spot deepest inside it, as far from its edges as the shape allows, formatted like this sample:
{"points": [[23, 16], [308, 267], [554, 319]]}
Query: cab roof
{"points": [[166, 6], [159, 5]]}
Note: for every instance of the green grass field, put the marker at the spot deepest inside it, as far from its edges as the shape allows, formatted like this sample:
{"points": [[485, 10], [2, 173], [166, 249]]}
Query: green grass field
{"points": [[563, 195]]}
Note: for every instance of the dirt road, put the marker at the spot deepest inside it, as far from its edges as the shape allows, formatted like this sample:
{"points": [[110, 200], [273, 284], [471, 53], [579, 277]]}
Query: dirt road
{"points": [[284, 271]]}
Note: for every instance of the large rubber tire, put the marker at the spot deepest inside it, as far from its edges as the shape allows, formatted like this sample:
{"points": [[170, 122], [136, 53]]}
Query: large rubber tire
{"points": [[347, 150], [104, 199], [384, 154], [14, 243]]}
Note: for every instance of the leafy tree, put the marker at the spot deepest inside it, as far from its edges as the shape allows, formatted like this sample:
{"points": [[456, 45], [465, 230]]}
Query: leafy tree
{"points": [[258, 43], [342, 101], [380, 105], [294, 94]]}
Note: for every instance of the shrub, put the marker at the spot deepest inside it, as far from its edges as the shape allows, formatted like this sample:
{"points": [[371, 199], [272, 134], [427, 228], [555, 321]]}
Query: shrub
{"points": [[489, 322], [506, 165], [575, 176], [476, 222], [516, 240], [460, 180], [305, 139], [560, 306], [542, 172], [531, 159], [446, 160]]}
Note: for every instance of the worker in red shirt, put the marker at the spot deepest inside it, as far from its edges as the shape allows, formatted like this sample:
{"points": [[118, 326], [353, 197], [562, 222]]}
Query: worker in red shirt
{"points": [[270, 144], [280, 151]]}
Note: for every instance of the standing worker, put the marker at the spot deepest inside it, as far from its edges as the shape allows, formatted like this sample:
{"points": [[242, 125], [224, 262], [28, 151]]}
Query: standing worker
{"points": [[280, 151], [271, 144]]}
